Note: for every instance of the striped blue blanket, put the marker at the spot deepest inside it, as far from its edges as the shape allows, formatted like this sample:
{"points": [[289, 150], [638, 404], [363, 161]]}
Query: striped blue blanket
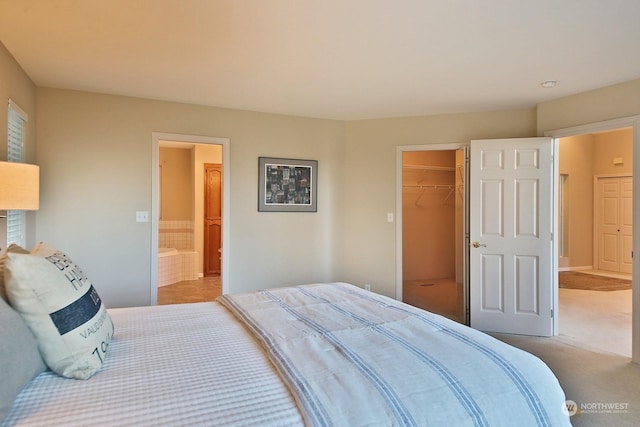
{"points": [[352, 357]]}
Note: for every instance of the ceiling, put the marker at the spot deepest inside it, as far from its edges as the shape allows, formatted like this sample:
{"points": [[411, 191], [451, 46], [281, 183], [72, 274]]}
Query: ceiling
{"points": [[336, 59]]}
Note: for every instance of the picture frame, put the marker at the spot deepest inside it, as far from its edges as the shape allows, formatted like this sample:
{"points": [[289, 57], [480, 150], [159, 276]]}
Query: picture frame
{"points": [[287, 185]]}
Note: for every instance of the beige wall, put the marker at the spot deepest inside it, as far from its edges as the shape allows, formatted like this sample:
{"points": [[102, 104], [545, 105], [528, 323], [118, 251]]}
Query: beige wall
{"points": [[607, 103], [16, 85], [581, 158], [610, 145], [176, 167], [95, 156], [576, 161]]}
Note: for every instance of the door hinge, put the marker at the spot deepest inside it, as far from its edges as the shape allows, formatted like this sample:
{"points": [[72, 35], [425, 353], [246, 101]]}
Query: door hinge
{"points": [[552, 237], [552, 313]]}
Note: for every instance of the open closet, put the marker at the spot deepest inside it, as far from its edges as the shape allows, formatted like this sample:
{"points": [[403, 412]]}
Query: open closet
{"points": [[433, 231]]}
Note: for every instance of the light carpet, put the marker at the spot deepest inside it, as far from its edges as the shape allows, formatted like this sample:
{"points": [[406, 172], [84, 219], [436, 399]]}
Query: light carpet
{"points": [[605, 387]]}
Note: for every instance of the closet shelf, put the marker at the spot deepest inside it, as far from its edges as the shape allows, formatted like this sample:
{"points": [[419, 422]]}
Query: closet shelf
{"points": [[452, 189], [429, 168], [434, 186]]}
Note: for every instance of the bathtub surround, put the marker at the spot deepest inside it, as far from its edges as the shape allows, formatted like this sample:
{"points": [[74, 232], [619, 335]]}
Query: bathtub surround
{"points": [[176, 265], [176, 234], [177, 258]]}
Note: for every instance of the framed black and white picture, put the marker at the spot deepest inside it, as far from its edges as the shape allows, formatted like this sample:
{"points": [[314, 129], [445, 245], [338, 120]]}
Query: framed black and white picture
{"points": [[287, 185]]}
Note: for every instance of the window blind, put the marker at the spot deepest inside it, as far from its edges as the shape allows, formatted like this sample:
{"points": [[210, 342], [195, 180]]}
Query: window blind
{"points": [[16, 220]]}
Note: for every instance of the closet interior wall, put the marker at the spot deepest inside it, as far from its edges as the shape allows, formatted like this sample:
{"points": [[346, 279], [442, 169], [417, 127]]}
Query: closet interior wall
{"points": [[433, 231], [429, 207]]}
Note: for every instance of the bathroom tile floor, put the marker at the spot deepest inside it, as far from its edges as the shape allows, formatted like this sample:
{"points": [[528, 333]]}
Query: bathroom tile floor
{"points": [[204, 289]]}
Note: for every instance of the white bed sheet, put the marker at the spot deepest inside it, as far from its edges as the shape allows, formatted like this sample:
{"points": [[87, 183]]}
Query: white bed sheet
{"points": [[188, 364]]}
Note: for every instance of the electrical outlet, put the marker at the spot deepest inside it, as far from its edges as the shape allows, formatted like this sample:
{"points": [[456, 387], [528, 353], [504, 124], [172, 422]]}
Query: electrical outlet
{"points": [[367, 287], [390, 217]]}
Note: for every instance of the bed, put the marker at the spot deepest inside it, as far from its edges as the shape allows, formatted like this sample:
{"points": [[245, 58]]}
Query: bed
{"points": [[321, 354]]}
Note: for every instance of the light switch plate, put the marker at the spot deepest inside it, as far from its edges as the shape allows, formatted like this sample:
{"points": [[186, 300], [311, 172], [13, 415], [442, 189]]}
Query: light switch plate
{"points": [[142, 216]]}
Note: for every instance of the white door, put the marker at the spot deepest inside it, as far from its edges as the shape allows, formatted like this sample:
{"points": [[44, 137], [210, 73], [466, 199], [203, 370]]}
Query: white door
{"points": [[626, 226], [615, 223], [511, 222]]}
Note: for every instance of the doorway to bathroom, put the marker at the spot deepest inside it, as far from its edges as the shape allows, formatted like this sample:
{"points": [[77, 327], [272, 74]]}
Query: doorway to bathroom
{"points": [[189, 231], [433, 231]]}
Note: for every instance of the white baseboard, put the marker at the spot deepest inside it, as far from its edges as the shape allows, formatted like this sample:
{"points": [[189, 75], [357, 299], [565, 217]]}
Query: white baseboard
{"points": [[579, 268]]}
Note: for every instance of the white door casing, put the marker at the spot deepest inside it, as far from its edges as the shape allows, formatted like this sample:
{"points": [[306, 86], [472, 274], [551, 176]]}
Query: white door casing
{"points": [[632, 122], [511, 224], [626, 226]]}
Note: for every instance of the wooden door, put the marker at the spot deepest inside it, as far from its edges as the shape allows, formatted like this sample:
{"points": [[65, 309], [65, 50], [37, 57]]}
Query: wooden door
{"points": [[615, 223], [511, 223], [212, 218]]}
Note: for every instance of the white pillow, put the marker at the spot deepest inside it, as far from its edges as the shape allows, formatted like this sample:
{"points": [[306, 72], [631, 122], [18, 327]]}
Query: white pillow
{"points": [[62, 309], [3, 259]]}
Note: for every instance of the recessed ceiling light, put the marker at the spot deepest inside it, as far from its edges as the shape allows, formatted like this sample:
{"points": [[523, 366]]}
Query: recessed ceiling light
{"points": [[549, 84]]}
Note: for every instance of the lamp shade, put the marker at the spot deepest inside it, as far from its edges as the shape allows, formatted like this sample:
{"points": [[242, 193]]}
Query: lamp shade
{"points": [[19, 186]]}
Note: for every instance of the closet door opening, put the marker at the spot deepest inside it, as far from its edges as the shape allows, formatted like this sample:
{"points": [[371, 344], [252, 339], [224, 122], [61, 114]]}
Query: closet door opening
{"points": [[433, 232]]}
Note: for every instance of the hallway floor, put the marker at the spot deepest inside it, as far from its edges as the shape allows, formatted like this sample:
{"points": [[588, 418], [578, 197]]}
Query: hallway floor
{"points": [[595, 320]]}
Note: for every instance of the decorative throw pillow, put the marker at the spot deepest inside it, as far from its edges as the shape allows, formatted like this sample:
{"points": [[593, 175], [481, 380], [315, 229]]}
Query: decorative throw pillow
{"points": [[19, 357], [62, 308], [3, 258]]}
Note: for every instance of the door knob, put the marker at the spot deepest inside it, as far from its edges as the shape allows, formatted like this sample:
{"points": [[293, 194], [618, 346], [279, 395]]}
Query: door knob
{"points": [[478, 244]]}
